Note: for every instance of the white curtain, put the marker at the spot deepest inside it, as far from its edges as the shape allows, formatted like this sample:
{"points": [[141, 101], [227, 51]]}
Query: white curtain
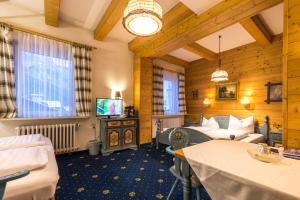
{"points": [[44, 77], [171, 93]]}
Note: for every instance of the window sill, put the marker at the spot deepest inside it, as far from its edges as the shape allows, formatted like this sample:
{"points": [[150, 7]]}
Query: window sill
{"points": [[41, 118], [167, 116]]}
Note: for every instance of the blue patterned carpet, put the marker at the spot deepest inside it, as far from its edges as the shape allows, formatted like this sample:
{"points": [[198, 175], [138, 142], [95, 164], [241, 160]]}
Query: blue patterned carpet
{"points": [[141, 175]]}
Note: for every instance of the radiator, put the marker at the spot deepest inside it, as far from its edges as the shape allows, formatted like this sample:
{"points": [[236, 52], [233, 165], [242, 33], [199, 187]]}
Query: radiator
{"points": [[62, 136]]}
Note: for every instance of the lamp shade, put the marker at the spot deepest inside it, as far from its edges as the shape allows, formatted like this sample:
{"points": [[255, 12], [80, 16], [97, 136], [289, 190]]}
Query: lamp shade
{"points": [[245, 101], [117, 95], [143, 17], [219, 75], [206, 102]]}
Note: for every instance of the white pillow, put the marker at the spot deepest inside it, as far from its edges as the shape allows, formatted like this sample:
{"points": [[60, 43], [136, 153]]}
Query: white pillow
{"points": [[204, 121], [246, 124], [211, 123]]}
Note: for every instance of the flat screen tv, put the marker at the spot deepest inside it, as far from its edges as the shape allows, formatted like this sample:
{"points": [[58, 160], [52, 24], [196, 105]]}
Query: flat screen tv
{"points": [[108, 107]]}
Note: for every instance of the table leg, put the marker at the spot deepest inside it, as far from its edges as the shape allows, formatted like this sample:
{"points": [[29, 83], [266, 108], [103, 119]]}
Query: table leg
{"points": [[186, 183]]}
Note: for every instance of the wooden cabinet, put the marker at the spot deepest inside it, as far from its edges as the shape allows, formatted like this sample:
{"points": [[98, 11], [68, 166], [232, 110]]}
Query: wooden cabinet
{"points": [[117, 134]]}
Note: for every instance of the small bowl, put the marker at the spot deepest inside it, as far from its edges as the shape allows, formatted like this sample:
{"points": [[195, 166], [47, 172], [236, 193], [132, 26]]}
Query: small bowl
{"points": [[267, 158]]}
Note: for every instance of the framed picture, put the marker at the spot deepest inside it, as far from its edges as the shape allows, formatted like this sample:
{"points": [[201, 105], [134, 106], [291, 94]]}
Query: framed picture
{"points": [[274, 92], [195, 94], [227, 91]]}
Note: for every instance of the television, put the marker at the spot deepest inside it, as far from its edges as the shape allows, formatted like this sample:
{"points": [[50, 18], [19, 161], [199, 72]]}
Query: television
{"points": [[108, 107]]}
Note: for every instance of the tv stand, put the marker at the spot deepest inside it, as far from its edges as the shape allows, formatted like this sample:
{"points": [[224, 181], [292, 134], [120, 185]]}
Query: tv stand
{"points": [[118, 133]]}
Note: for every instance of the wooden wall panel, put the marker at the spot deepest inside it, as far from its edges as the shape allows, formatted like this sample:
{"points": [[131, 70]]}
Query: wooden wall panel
{"points": [[143, 96], [291, 75], [252, 66]]}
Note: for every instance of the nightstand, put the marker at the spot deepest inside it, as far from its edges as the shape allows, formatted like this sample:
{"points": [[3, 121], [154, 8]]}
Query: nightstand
{"points": [[275, 137]]}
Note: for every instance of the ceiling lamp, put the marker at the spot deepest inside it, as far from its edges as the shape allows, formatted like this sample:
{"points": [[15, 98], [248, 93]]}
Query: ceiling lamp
{"points": [[143, 17], [219, 75]]}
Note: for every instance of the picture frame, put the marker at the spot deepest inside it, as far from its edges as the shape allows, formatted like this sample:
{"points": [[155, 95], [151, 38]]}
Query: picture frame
{"points": [[195, 94], [274, 92], [227, 91]]}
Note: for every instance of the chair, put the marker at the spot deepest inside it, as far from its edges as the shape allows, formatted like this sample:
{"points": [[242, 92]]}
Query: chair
{"points": [[10, 177], [179, 139]]}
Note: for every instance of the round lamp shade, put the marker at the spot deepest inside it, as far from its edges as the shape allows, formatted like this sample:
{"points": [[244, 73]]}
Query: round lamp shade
{"points": [[143, 17], [219, 75]]}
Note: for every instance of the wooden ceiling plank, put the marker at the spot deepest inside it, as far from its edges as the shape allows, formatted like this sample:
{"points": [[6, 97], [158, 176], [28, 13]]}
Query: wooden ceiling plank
{"points": [[201, 51], [175, 61], [195, 27], [52, 12], [110, 18], [178, 13], [257, 29]]}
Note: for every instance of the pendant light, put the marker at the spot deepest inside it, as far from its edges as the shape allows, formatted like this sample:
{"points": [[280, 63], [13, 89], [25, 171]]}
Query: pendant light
{"points": [[219, 75], [143, 17]]}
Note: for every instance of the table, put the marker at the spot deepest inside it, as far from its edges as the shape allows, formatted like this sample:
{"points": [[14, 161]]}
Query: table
{"points": [[228, 172]]}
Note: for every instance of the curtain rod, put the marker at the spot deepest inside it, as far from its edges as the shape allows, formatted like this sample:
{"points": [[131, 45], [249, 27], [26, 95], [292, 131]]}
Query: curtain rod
{"points": [[19, 28]]}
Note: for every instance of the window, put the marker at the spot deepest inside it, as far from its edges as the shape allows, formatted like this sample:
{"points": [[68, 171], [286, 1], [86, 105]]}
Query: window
{"points": [[44, 77], [170, 93]]}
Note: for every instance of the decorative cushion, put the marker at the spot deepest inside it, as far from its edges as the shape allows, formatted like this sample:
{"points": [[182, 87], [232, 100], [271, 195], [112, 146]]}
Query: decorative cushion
{"points": [[246, 124], [211, 123], [204, 121]]}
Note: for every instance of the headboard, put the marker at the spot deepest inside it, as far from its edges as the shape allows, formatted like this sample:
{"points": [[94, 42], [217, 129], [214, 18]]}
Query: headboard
{"points": [[223, 121]]}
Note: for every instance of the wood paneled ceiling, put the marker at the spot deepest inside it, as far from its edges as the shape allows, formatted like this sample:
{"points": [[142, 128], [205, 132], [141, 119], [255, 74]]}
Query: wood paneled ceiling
{"points": [[190, 31]]}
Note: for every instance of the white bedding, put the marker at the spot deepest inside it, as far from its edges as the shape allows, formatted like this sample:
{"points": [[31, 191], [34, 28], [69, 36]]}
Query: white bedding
{"points": [[254, 138], [221, 133], [244, 137], [40, 184], [21, 141], [14, 160]]}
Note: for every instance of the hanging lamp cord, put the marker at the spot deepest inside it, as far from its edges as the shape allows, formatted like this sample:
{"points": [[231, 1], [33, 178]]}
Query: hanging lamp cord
{"points": [[219, 57]]}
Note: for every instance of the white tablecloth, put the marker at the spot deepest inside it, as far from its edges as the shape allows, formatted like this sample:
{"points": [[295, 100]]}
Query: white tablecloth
{"points": [[228, 172]]}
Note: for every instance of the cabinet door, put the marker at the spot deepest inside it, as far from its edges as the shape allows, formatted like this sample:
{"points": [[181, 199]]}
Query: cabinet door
{"points": [[113, 136], [129, 136]]}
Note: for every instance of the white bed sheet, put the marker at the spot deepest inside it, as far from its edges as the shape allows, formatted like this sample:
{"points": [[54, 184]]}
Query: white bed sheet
{"points": [[14, 160], [254, 138], [225, 134], [40, 184], [221, 133], [22, 141]]}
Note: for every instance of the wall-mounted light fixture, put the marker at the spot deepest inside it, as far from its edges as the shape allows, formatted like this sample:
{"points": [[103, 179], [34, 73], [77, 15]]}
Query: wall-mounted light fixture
{"points": [[118, 95], [206, 102], [245, 101]]}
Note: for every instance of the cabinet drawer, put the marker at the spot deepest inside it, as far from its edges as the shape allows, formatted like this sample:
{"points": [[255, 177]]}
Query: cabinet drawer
{"points": [[113, 123], [129, 123]]}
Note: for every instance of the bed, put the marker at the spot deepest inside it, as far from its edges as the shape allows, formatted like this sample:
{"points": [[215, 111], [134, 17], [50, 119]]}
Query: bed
{"points": [[40, 184], [197, 135]]}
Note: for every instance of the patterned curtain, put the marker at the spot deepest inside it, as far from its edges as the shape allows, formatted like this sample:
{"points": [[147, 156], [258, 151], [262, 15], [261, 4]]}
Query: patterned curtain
{"points": [[8, 107], [158, 91], [82, 63], [181, 93]]}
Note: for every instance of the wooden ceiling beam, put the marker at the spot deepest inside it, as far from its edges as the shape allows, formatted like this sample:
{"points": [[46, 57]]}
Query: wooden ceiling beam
{"points": [[201, 51], [110, 18], [178, 13], [52, 12], [257, 29], [175, 61], [195, 27]]}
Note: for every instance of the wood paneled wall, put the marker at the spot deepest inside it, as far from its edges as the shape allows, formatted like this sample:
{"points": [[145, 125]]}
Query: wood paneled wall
{"points": [[252, 66], [291, 74], [143, 72]]}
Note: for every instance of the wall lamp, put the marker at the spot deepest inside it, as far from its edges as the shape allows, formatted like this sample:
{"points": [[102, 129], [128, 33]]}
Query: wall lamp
{"points": [[206, 102], [245, 101]]}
